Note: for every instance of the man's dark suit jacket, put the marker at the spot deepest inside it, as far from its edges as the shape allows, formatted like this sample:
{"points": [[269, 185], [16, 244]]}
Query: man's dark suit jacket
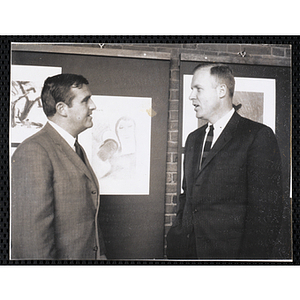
{"points": [[234, 204], [54, 201]]}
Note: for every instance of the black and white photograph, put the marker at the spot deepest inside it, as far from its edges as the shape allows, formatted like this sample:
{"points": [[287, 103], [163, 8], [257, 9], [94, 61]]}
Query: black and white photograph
{"points": [[150, 152]]}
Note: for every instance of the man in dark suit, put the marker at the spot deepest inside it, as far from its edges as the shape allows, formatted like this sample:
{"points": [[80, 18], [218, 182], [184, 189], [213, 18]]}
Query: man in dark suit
{"points": [[54, 192], [232, 203]]}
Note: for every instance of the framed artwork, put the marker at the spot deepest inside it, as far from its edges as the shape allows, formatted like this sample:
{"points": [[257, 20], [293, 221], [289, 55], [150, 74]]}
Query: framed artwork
{"points": [[255, 99], [118, 145], [27, 115]]}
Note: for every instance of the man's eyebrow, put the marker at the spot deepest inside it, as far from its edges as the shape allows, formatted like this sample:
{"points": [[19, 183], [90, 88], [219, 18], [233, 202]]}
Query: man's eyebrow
{"points": [[196, 86], [86, 98]]}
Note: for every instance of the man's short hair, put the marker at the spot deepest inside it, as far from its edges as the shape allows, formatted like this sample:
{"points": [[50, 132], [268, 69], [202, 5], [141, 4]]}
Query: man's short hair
{"points": [[222, 74], [58, 88]]}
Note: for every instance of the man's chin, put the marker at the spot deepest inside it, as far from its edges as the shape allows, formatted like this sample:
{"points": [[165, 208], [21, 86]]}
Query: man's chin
{"points": [[89, 124]]}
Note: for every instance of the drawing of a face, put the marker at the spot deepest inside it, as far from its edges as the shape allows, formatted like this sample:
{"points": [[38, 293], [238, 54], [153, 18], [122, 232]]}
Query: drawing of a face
{"points": [[126, 129]]}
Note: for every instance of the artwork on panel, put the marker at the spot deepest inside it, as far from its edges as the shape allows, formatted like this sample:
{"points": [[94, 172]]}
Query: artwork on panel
{"points": [[118, 144], [27, 116], [255, 99]]}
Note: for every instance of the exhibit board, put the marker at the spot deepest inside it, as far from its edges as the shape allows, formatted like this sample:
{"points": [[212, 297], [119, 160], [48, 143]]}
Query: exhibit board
{"points": [[136, 91]]}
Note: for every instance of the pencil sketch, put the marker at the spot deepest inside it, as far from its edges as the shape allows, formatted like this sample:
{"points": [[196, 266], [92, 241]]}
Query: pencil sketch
{"points": [[27, 116], [119, 144]]}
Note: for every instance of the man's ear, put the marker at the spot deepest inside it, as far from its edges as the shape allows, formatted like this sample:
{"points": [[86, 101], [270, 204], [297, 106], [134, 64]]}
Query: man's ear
{"points": [[222, 90], [61, 109]]}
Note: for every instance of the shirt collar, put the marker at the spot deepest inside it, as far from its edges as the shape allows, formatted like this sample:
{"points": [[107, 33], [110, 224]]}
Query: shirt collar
{"points": [[64, 134], [221, 123]]}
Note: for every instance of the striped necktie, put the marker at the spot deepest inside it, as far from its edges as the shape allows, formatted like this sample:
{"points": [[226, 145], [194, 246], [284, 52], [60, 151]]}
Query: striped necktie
{"points": [[79, 150], [207, 145]]}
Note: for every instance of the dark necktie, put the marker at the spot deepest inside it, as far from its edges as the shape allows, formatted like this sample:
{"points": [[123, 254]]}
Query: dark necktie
{"points": [[208, 143], [79, 150]]}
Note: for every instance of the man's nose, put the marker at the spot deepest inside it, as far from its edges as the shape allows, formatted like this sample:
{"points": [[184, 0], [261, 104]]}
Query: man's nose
{"points": [[192, 95], [92, 105]]}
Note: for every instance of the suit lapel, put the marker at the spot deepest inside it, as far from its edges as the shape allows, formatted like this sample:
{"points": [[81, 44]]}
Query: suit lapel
{"points": [[70, 154], [223, 139], [198, 150], [87, 164]]}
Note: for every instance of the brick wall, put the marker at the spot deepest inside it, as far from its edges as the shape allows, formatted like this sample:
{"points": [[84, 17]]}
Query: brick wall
{"points": [[253, 51]]}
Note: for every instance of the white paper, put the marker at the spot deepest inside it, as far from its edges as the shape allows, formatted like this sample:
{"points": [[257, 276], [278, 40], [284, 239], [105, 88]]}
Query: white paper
{"points": [[27, 116], [118, 145]]}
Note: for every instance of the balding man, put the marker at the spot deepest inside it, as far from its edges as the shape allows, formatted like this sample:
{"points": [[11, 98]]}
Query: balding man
{"points": [[232, 203]]}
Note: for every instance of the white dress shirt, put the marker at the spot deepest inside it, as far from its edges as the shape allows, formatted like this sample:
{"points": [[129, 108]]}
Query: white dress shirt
{"points": [[219, 126], [64, 134]]}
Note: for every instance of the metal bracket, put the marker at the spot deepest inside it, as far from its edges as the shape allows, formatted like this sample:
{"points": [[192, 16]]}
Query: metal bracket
{"points": [[242, 53]]}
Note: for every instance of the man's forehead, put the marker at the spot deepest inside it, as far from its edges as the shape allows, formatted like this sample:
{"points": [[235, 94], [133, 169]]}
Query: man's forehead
{"points": [[202, 74], [203, 71]]}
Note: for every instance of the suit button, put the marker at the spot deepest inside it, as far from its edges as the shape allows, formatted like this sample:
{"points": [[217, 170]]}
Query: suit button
{"points": [[94, 192], [195, 210], [95, 248]]}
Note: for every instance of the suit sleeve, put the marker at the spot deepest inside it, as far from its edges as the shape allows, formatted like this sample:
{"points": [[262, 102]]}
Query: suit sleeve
{"points": [[32, 204], [264, 200]]}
